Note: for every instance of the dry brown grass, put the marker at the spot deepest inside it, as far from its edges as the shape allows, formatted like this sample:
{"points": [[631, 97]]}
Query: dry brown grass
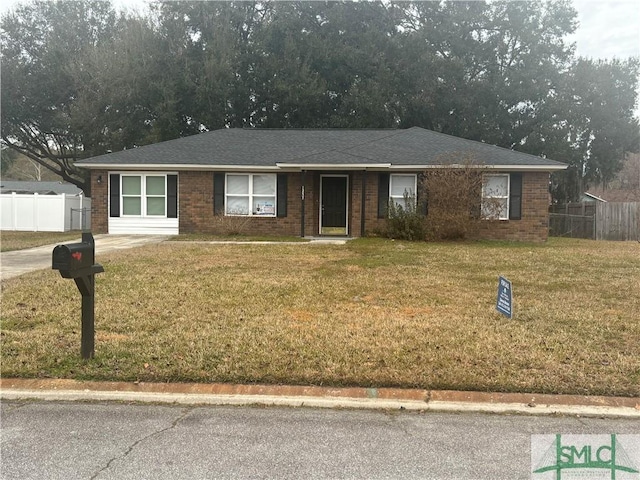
{"points": [[371, 313], [20, 240]]}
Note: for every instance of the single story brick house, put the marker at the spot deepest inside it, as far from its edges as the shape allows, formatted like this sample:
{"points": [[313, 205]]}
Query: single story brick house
{"points": [[303, 182]]}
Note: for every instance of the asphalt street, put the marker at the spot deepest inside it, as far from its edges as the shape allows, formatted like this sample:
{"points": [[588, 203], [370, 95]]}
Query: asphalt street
{"points": [[53, 440]]}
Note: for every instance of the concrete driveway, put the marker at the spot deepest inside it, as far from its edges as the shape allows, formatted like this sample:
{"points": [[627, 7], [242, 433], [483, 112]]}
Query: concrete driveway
{"points": [[19, 262]]}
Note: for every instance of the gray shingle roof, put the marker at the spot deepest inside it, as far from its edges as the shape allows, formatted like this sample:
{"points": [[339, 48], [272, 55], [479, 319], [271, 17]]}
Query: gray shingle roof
{"points": [[43, 188], [268, 147]]}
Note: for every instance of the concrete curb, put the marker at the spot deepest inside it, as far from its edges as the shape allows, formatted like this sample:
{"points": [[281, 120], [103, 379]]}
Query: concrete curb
{"points": [[320, 397]]}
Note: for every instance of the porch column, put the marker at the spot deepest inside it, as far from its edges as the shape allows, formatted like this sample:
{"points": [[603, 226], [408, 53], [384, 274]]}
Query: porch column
{"points": [[304, 176], [363, 194]]}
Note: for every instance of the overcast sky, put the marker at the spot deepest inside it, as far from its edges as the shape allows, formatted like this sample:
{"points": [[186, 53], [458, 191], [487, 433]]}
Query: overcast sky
{"points": [[608, 28]]}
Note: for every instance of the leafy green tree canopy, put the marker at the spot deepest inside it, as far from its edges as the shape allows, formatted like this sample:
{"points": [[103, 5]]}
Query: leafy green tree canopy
{"points": [[79, 80], [43, 44]]}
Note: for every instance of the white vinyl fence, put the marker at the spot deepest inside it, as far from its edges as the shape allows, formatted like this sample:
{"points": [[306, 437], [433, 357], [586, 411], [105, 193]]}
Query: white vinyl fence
{"points": [[44, 213]]}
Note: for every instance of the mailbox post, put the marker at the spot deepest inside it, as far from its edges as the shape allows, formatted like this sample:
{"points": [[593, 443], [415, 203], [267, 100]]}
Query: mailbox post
{"points": [[77, 261]]}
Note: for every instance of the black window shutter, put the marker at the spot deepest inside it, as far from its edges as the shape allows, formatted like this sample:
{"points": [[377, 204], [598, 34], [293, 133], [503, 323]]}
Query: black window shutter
{"points": [[218, 193], [422, 196], [515, 197], [114, 195], [383, 194], [282, 195], [172, 196]]}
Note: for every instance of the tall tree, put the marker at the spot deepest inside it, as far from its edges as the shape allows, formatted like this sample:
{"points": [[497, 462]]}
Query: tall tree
{"points": [[41, 42], [589, 123], [328, 64], [485, 66], [130, 91], [604, 95], [214, 47], [77, 80], [7, 159]]}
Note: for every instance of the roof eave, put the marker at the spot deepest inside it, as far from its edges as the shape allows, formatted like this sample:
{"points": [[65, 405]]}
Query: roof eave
{"points": [[173, 166], [314, 166], [522, 168], [332, 166]]}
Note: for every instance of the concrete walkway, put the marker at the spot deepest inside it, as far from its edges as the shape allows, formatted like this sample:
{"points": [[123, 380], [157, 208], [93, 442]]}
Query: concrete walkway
{"points": [[19, 262]]}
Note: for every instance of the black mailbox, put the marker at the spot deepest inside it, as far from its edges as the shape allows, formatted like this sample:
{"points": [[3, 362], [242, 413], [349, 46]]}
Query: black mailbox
{"points": [[76, 260], [73, 259]]}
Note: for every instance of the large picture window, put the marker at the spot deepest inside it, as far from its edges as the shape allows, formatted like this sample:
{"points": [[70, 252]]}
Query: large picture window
{"points": [[144, 195], [250, 194], [495, 197], [402, 188]]}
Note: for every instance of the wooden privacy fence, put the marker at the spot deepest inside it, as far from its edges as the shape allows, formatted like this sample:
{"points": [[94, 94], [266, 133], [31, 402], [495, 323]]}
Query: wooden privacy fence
{"points": [[597, 221], [618, 221], [574, 220], [572, 226]]}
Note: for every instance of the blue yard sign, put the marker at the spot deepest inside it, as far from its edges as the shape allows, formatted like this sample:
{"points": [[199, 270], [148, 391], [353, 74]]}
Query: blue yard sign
{"points": [[504, 303]]}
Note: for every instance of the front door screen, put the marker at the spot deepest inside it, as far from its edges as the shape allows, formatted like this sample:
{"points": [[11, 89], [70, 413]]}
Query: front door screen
{"points": [[334, 206]]}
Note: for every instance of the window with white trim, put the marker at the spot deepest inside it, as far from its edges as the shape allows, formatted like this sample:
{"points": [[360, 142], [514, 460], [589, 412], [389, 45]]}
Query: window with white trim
{"points": [[250, 194], [402, 188], [143, 195], [495, 196]]}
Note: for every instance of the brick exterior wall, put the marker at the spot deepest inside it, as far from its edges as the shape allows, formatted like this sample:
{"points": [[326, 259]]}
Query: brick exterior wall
{"points": [[196, 214], [373, 224], [534, 225], [196, 210], [99, 201]]}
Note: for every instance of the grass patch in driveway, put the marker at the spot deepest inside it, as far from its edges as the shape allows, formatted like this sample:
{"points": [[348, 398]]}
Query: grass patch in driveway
{"points": [[22, 240], [372, 312]]}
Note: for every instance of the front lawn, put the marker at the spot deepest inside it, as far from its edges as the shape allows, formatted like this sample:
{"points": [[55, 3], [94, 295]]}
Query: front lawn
{"points": [[20, 240], [372, 312], [205, 237]]}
